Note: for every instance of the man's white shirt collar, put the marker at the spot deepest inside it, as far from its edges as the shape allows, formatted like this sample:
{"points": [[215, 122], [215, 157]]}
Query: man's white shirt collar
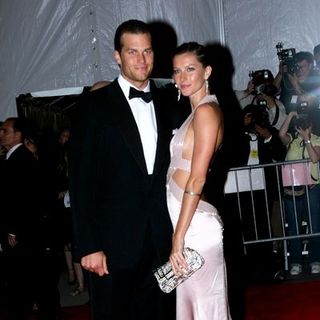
{"points": [[145, 118], [125, 86], [13, 149]]}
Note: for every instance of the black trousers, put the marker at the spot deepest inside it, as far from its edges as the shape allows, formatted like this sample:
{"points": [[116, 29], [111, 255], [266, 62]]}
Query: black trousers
{"points": [[131, 293], [32, 277], [46, 291], [20, 265]]}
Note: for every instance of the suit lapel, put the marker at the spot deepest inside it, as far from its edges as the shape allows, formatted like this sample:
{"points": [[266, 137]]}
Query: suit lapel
{"points": [[123, 115], [162, 143], [126, 123]]}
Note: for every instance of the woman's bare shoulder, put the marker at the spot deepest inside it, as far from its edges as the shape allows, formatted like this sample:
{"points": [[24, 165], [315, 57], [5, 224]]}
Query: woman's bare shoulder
{"points": [[208, 109]]}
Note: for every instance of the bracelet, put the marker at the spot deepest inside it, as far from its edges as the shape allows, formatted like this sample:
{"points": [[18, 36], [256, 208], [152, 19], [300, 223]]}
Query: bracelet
{"points": [[307, 142], [191, 193]]}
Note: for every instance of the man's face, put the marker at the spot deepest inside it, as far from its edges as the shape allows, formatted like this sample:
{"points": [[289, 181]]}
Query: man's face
{"points": [[135, 58], [8, 137], [304, 69], [64, 137]]}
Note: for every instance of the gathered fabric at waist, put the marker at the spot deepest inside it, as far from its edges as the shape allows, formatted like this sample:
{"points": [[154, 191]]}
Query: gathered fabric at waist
{"points": [[178, 194], [179, 163]]}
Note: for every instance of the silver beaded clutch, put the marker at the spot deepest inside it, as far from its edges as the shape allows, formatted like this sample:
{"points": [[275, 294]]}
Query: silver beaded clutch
{"points": [[168, 281]]}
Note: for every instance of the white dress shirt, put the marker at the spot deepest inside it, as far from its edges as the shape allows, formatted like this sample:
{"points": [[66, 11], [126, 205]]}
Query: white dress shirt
{"points": [[9, 153], [145, 118]]}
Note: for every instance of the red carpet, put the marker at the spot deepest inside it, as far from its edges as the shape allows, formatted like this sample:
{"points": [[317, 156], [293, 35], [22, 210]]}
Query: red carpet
{"points": [[284, 301], [76, 313], [68, 313]]}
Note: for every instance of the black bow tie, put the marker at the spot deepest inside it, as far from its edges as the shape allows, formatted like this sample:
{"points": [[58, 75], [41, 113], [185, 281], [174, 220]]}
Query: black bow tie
{"points": [[134, 93]]}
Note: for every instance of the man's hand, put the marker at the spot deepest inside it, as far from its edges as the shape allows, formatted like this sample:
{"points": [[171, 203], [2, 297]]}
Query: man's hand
{"points": [[12, 240], [250, 87], [95, 262], [283, 68], [295, 83]]}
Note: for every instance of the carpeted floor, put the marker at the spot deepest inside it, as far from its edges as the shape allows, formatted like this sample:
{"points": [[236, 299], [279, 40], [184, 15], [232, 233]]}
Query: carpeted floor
{"points": [[81, 312], [282, 301], [288, 300]]}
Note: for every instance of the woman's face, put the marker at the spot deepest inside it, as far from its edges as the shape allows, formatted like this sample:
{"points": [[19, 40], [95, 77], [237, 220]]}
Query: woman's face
{"points": [[189, 74]]}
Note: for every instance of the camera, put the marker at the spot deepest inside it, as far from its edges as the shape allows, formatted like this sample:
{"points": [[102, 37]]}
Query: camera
{"points": [[261, 77], [262, 103], [262, 81], [267, 89], [303, 121], [259, 116], [302, 109], [287, 57]]}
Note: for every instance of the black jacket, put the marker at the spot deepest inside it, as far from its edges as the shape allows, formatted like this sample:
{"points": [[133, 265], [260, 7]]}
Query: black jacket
{"points": [[113, 199]]}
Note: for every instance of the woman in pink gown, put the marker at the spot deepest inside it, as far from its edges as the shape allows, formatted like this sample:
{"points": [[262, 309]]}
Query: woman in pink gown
{"points": [[196, 222]]}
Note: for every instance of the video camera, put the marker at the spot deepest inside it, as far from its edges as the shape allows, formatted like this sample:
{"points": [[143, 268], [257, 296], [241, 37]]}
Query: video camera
{"points": [[287, 57]]}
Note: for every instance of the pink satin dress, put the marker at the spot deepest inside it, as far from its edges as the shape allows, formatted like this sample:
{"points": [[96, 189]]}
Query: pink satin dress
{"points": [[203, 296]]}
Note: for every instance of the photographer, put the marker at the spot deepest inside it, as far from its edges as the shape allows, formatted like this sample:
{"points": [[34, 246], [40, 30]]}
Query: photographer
{"points": [[260, 91], [263, 146], [298, 81], [263, 139], [303, 144], [257, 206]]}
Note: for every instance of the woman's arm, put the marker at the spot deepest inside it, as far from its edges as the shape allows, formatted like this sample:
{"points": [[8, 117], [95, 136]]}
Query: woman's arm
{"points": [[208, 131], [313, 151], [283, 132]]}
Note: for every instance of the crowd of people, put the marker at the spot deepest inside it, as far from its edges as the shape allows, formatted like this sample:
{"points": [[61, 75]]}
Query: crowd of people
{"points": [[281, 118], [125, 200], [36, 228]]}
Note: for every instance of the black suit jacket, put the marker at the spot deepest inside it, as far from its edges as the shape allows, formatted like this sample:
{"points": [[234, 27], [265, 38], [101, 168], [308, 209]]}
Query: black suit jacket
{"points": [[19, 195], [114, 201]]}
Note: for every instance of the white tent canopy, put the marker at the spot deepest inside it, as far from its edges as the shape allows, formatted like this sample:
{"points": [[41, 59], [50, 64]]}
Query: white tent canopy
{"points": [[54, 44]]}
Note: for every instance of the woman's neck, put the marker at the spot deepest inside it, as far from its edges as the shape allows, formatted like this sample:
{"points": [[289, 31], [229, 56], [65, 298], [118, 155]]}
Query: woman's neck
{"points": [[196, 99]]}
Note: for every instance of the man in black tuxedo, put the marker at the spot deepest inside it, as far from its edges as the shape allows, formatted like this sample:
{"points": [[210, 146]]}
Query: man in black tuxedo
{"points": [[17, 195], [118, 162], [32, 261]]}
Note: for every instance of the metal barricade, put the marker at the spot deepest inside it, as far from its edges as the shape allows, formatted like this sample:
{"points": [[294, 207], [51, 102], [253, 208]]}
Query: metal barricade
{"points": [[260, 192]]}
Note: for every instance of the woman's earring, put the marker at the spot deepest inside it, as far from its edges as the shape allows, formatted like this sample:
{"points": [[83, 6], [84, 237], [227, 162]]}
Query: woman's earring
{"points": [[179, 92], [207, 87]]}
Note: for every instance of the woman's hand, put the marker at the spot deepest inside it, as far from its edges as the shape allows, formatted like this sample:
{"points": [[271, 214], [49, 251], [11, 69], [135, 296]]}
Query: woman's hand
{"points": [[293, 114], [304, 133], [178, 262]]}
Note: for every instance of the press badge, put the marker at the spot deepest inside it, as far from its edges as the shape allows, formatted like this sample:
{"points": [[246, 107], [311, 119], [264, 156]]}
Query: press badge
{"points": [[294, 99], [254, 154]]}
